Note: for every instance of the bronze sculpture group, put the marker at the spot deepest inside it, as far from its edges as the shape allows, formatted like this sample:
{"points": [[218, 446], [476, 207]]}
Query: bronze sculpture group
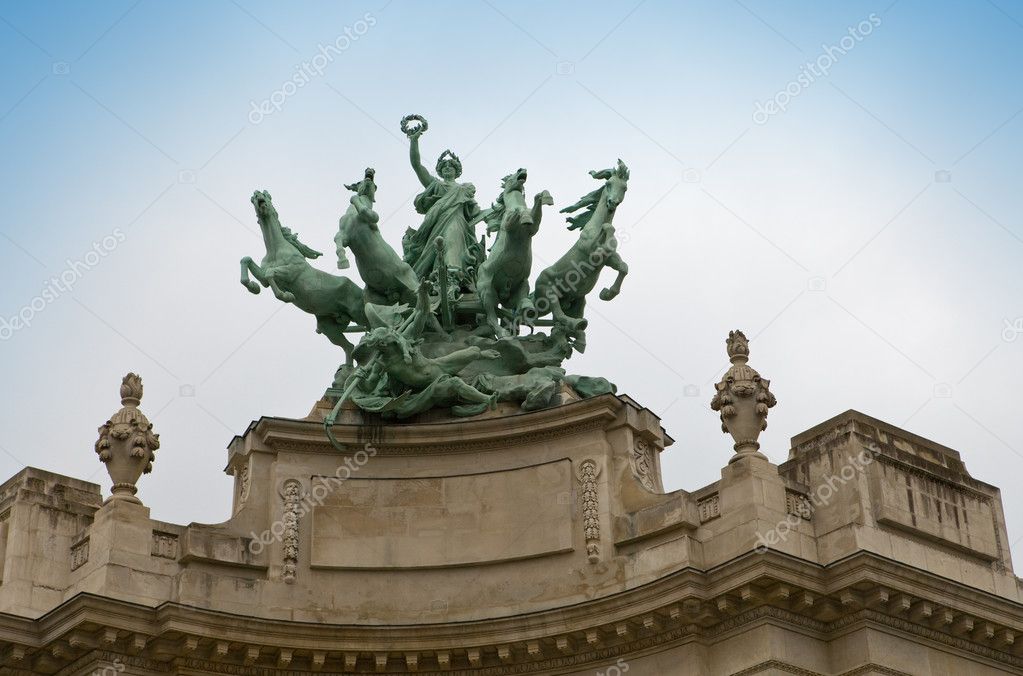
{"points": [[443, 324]]}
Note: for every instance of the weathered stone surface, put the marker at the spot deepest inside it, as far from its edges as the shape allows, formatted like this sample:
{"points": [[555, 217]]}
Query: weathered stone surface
{"points": [[875, 487], [528, 543], [445, 521]]}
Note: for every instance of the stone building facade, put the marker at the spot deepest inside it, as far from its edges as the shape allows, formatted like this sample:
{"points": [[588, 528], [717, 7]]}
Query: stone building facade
{"points": [[522, 543]]}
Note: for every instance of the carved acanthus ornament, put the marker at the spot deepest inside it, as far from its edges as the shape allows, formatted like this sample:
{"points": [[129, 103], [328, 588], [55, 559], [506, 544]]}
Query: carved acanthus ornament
{"points": [[127, 443], [588, 471], [743, 399], [292, 500], [643, 464], [244, 480]]}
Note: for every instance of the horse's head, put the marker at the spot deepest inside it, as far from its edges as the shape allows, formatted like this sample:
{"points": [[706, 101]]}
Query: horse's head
{"points": [[515, 181], [616, 185], [261, 200], [609, 196], [367, 187]]}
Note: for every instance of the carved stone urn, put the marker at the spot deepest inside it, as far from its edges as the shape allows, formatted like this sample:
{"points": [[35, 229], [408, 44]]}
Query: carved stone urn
{"points": [[127, 443], [743, 399]]}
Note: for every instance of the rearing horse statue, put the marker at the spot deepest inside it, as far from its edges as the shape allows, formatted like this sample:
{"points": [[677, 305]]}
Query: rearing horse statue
{"points": [[388, 278], [336, 302], [503, 278], [561, 289]]}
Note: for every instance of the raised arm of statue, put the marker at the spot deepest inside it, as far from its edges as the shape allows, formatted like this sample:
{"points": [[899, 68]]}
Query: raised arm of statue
{"points": [[370, 376], [417, 164], [456, 361], [421, 313]]}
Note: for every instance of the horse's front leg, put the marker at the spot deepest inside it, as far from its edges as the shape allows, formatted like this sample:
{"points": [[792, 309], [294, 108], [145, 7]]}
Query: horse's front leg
{"points": [[281, 294], [249, 265], [615, 262], [541, 199]]}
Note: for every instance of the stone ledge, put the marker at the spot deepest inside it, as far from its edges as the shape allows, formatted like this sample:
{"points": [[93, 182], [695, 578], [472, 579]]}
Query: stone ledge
{"points": [[678, 511], [704, 606], [43, 487], [450, 436]]}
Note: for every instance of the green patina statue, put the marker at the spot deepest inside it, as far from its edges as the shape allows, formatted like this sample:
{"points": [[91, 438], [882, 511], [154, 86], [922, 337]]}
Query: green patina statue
{"points": [[398, 381], [336, 302], [503, 278], [535, 389], [441, 326], [561, 289], [388, 278], [449, 209]]}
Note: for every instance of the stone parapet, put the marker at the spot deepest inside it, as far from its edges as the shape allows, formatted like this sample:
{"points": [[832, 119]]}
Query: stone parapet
{"points": [[522, 543], [45, 521], [874, 487]]}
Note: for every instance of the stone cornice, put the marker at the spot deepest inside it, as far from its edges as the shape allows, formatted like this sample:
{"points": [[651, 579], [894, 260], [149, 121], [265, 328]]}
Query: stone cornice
{"points": [[821, 428], [460, 436], [877, 570], [688, 605], [785, 668], [813, 442]]}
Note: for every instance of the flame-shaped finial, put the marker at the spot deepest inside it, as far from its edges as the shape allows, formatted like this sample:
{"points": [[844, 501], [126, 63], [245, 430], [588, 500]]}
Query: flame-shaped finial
{"points": [[738, 346], [131, 390]]}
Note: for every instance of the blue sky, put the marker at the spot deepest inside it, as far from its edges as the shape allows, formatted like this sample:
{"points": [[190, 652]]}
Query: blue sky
{"points": [[867, 237]]}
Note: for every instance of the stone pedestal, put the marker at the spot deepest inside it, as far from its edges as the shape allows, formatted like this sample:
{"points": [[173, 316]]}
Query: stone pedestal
{"points": [[521, 543]]}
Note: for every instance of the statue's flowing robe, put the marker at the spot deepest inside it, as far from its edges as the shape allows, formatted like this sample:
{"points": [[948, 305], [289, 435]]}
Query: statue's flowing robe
{"points": [[449, 208]]}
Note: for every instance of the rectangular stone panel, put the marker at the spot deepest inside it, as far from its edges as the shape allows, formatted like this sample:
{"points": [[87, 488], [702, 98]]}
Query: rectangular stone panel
{"points": [[935, 509], [461, 520]]}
